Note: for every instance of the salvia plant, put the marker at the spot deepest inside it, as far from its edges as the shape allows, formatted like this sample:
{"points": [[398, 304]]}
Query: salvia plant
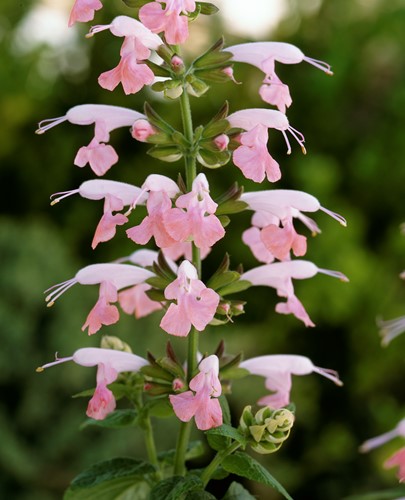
{"points": [[184, 221]]}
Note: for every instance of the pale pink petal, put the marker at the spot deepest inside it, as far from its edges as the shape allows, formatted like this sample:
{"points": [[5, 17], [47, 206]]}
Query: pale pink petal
{"points": [[106, 228], [135, 301], [184, 405], [177, 224], [251, 238], [141, 233], [295, 307], [83, 11], [101, 404], [208, 414], [280, 384], [103, 313], [397, 459], [201, 308], [100, 157], [175, 322], [157, 19], [277, 240], [276, 93]]}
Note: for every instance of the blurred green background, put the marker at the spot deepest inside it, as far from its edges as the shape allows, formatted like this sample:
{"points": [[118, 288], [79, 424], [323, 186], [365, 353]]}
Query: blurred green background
{"points": [[354, 129]]}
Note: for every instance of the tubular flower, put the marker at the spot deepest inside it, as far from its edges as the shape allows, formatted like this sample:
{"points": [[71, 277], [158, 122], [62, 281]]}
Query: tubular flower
{"points": [[100, 156], [277, 370], [169, 19], [279, 275], [194, 218], [196, 304], [83, 11], [263, 55], [278, 207], [252, 156], [138, 40], [110, 363], [117, 195], [202, 403], [111, 278], [161, 189]]}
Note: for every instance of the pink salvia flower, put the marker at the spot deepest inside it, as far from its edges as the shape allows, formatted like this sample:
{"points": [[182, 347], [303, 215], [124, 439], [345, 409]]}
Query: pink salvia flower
{"points": [[169, 19], [263, 55], [111, 278], [252, 156], [397, 431], [109, 364], [117, 195], [279, 207], [397, 459], [184, 249], [251, 237], [161, 190], [196, 304], [138, 40], [279, 275], [194, 218], [83, 11], [277, 370], [203, 404], [106, 118]]}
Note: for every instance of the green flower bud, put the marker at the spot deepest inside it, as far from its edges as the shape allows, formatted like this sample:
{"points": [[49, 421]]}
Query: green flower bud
{"points": [[267, 429], [111, 342]]}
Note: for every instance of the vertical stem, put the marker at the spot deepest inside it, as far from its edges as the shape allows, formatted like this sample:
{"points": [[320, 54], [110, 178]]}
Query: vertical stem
{"points": [[191, 173], [216, 462], [150, 446]]}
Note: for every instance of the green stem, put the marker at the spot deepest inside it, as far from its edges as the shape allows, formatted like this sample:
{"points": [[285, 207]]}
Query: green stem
{"points": [[216, 462], [191, 173], [150, 446]]}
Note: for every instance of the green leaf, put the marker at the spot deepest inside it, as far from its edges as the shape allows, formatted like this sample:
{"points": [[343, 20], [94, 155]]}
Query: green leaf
{"points": [[237, 492], [165, 153], [156, 119], [223, 279], [235, 287], [174, 487], [226, 412], [213, 75], [156, 295], [109, 480], [231, 207], [156, 372], [159, 407], [212, 60], [229, 432], [216, 128], [115, 420], [207, 8], [158, 282], [244, 465], [195, 450]]}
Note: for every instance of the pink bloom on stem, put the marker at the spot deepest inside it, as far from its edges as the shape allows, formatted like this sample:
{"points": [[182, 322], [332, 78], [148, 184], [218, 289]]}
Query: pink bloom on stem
{"points": [[279, 207], [252, 156], [111, 278], [83, 11], [168, 19], [277, 370], [109, 364], [106, 118], [203, 404], [251, 238], [116, 194], [184, 249], [263, 55], [279, 275], [397, 459], [194, 218], [161, 190], [138, 40], [196, 304]]}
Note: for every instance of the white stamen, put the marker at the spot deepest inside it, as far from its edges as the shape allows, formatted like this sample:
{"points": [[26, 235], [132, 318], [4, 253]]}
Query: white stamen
{"points": [[64, 194], [298, 136], [287, 142], [59, 289], [330, 374], [335, 216], [96, 29], [49, 123], [133, 204], [53, 363], [323, 66], [334, 274]]}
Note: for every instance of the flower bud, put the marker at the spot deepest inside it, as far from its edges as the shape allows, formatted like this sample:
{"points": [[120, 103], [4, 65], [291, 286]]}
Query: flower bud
{"points": [[141, 130], [178, 385], [267, 429], [111, 342], [221, 141], [177, 64]]}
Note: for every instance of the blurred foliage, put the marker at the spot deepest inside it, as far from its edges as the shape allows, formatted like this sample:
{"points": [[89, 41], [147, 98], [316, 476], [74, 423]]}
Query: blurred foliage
{"points": [[353, 125]]}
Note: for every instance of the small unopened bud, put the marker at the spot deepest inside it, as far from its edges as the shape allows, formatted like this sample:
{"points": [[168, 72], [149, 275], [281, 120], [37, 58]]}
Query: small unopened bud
{"points": [[177, 64], [267, 429], [178, 384], [141, 130], [221, 141], [111, 342], [229, 73]]}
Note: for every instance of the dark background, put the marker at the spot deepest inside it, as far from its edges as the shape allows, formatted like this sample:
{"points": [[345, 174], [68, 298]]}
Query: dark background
{"points": [[354, 127]]}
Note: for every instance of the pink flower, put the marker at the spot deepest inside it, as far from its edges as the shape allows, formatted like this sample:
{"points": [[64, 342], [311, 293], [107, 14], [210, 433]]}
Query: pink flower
{"points": [[279, 207], [370, 444], [263, 55], [196, 304], [109, 364], [252, 157], [138, 40], [397, 458], [111, 278], [100, 156], [193, 218], [161, 190], [183, 249], [83, 11], [202, 405], [168, 19], [279, 275], [141, 130], [277, 369], [116, 196]]}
